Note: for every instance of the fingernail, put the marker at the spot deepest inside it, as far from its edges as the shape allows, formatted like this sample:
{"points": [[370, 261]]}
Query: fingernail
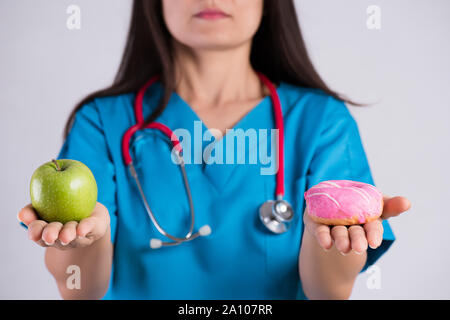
{"points": [[357, 252], [344, 254], [377, 244], [63, 243], [49, 244]]}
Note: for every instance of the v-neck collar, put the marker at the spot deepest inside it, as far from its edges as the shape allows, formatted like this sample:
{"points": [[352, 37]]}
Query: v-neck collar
{"points": [[179, 115], [238, 125]]}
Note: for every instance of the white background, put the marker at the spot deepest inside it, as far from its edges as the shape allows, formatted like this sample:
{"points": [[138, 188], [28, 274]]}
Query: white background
{"points": [[403, 69]]}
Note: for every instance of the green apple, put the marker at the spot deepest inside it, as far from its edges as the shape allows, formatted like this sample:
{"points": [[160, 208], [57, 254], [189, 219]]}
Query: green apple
{"points": [[63, 190]]}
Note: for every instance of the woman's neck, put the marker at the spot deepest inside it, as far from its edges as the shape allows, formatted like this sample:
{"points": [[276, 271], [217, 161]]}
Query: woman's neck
{"points": [[216, 78]]}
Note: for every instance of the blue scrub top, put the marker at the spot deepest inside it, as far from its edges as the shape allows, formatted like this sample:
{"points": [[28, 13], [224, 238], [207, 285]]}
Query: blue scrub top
{"points": [[240, 259]]}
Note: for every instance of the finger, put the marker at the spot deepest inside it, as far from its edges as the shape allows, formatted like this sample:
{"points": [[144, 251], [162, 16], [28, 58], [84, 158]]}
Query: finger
{"points": [[27, 215], [68, 233], [357, 239], [101, 212], [95, 225], [341, 239], [51, 232], [323, 236], [35, 229], [320, 231], [86, 226], [91, 227], [374, 232], [394, 206]]}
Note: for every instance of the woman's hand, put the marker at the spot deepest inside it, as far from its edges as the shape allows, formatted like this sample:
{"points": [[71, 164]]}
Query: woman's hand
{"points": [[70, 235], [356, 237]]}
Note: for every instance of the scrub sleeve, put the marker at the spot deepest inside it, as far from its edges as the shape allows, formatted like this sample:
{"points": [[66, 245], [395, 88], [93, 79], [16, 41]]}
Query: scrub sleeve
{"points": [[86, 142], [340, 155]]}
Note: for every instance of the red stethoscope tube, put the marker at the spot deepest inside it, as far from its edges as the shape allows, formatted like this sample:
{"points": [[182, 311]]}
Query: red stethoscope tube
{"points": [[140, 124], [278, 114], [276, 215], [138, 102]]}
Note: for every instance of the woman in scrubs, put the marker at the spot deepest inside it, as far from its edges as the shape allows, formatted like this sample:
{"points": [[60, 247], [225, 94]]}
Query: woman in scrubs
{"points": [[207, 54]]}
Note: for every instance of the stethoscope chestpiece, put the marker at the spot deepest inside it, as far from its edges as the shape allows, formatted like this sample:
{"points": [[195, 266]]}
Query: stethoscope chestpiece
{"points": [[276, 215]]}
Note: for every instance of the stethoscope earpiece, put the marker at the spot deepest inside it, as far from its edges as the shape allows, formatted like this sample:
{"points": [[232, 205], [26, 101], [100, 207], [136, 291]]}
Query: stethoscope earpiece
{"points": [[204, 231]]}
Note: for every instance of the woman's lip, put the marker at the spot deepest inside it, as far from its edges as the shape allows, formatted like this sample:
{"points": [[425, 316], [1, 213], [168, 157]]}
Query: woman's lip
{"points": [[211, 14]]}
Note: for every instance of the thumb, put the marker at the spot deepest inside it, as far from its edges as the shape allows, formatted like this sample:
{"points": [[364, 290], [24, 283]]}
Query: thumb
{"points": [[393, 206]]}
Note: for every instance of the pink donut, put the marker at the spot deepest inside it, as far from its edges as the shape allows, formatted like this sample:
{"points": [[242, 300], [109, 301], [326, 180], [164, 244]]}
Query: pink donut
{"points": [[343, 202]]}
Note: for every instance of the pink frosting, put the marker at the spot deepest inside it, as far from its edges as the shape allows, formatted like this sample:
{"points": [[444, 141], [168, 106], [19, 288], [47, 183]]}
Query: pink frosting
{"points": [[340, 199]]}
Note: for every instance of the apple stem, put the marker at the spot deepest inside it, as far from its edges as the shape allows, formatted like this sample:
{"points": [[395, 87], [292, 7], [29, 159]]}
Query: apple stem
{"points": [[56, 164]]}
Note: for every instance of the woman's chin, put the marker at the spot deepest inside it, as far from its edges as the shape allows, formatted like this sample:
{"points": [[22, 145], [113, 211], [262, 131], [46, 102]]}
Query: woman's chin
{"points": [[214, 42]]}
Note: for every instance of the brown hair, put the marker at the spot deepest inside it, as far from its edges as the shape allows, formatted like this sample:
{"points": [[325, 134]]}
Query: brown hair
{"points": [[278, 51]]}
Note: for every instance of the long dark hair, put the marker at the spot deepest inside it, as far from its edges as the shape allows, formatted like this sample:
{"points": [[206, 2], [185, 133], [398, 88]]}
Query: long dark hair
{"points": [[278, 51]]}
